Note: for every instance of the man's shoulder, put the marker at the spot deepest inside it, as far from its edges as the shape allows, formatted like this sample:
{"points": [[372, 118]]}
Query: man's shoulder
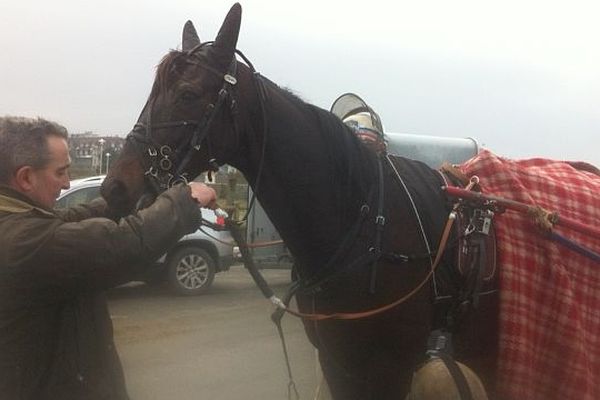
{"points": [[23, 228], [12, 202]]}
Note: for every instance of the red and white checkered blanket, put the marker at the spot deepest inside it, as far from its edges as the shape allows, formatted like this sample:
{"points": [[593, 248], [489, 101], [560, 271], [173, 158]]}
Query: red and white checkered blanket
{"points": [[550, 295]]}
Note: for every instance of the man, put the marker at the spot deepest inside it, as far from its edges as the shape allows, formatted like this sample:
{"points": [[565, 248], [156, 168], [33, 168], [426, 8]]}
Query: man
{"points": [[55, 330]]}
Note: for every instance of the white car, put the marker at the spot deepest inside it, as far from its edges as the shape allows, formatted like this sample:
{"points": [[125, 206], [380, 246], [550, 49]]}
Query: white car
{"points": [[190, 266]]}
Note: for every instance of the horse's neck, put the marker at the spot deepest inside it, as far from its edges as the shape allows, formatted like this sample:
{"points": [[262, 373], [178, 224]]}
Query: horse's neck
{"points": [[307, 185]]}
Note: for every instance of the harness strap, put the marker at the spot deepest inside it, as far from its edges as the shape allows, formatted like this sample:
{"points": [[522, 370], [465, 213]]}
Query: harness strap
{"points": [[314, 283], [202, 134], [472, 289], [370, 313], [380, 224], [371, 257], [457, 375]]}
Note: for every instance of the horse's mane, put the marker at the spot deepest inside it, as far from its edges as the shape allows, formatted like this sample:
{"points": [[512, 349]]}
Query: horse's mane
{"points": [[353, 165], [352, 160], [169, 64]]}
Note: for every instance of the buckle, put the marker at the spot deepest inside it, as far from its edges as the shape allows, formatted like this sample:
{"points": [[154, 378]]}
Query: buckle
{"points": [[229, 79]]}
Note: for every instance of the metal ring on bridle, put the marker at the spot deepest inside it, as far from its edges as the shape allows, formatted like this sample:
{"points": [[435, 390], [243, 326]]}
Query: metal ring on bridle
{"points": [[165, 150], [165, 164], [175, 180]]}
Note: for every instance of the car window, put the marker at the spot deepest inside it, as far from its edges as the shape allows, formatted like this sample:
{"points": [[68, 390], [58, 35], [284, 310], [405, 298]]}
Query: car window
{"points": [[81, 196]]}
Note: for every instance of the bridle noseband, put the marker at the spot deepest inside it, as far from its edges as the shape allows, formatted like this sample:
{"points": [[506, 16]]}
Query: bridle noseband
{"points": [[164, 166]]}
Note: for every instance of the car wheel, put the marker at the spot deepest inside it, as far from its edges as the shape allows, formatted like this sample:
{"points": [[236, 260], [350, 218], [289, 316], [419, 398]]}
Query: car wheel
{"points": [[191, 271]]}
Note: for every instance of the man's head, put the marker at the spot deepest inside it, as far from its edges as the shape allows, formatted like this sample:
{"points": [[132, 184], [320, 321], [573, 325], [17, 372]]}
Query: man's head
{"points": [[34, 158]]}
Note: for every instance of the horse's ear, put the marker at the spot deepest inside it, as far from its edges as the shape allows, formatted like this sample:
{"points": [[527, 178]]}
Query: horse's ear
{"points": [[189, 38], [227, 37]]}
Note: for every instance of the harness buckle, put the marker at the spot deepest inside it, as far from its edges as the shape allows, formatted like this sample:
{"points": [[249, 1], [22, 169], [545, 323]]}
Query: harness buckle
{"points": [[152, 172], [229, 79], [481, 221], [364, 210], [380, 220]]}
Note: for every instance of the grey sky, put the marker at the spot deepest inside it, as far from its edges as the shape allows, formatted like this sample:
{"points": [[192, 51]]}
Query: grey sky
{"points": [[522, 77]]}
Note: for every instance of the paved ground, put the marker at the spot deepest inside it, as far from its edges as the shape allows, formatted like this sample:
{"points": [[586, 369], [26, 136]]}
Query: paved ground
{"points": [[219, 346]]}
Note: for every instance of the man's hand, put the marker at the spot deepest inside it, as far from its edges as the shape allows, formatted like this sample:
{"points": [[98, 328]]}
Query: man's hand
{"points": [[205, 196]]}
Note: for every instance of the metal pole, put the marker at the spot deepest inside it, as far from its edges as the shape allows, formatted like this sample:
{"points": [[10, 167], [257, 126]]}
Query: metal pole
{"points": [[101, 141], [107, 161]]}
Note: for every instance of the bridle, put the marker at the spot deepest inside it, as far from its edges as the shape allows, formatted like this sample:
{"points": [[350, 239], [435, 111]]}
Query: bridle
{"points": [[165, 166]]}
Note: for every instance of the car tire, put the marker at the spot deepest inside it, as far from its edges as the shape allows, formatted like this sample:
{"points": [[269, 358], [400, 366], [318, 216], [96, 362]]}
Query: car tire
{"points": [[191, 271]]}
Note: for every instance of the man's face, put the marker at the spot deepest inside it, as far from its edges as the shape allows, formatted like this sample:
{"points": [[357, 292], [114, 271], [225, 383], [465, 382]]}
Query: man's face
{"points": [[48, 181]]}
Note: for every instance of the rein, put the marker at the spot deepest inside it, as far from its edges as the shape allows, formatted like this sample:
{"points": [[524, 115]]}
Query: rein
{"points": [[162, 178]]}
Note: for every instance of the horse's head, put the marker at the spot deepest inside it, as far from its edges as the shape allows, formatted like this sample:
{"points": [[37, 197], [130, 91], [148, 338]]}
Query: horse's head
{"points": [[187, 125]]}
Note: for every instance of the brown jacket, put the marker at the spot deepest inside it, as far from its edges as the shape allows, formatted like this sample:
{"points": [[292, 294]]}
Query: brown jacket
{"points": [[56, 337]]}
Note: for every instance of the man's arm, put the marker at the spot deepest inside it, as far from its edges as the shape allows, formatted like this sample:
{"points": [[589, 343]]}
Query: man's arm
{"points": [[95, 208], [101, 253]]}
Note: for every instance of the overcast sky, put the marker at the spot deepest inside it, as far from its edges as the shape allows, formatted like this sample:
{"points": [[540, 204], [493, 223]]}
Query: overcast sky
{"points": [[522, 77]]}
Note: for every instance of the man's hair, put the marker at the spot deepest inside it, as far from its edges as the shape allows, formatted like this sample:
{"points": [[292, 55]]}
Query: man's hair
{"points": [[23, 141]]}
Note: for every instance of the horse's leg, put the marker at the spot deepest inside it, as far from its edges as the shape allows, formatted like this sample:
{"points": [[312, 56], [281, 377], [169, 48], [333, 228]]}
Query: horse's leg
{"points": [[342, 384], [374, 359], [399, 348], [393, 362]]}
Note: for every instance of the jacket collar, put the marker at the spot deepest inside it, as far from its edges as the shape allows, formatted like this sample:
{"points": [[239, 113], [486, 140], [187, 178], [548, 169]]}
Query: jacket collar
{"points": [[12, 201]]}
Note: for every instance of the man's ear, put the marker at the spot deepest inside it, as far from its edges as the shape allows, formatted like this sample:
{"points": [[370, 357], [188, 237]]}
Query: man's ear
{"points": [[24, 179]]}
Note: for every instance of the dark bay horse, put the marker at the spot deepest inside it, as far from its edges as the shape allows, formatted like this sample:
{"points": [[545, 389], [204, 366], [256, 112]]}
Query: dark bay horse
{"points": [[362, 228]]}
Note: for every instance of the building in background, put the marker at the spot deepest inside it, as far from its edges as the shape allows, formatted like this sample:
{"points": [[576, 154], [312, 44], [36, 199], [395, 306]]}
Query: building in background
{"points": [[91, 153]]}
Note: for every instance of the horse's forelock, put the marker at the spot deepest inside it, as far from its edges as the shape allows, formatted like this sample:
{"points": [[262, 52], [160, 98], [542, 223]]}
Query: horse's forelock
{"points": [[165, 71]]}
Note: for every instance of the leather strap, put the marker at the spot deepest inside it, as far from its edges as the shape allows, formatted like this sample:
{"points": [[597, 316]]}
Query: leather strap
{"points": [[459, 378]]}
